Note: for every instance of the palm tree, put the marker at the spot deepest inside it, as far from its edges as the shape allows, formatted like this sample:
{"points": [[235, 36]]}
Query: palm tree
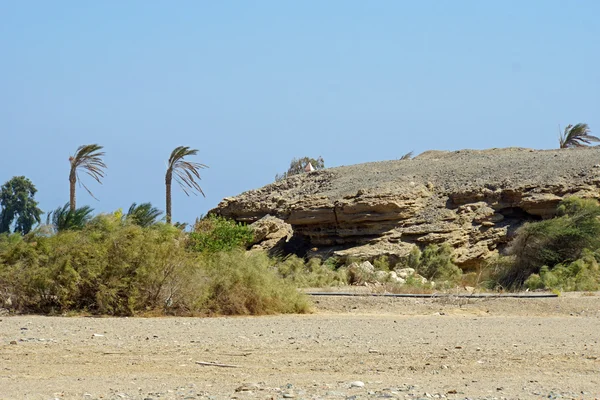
{"points": [[63, 218], [407, 156], [143, 215], [577, 136], [88, 158], [186, 173]]}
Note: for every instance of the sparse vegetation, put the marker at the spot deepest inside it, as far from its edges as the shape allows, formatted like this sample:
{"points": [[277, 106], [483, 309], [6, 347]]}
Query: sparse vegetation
{"points": [[382, 263], [313, 273], [298, 166], [435, 263]]}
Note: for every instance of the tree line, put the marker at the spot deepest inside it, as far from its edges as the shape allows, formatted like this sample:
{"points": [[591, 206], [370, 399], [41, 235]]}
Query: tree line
{"points": [[18, 206]]}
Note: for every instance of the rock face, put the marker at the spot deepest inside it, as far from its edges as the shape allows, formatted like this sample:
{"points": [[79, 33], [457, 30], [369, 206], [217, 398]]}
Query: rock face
{"points": [[474, 200]]}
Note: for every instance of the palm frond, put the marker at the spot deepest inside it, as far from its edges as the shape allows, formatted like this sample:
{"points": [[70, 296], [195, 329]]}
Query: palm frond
{"points": [[64, 219], [407, 156], [143, 215], [186, 172], [89, 159], [577, 136]]}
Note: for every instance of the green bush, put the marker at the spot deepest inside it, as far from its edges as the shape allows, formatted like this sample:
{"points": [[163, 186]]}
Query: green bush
{"points": [[213, 234], [435, 263], [382, 263], [313, 273], [580, 275], [243, 283], [106, 268], [561, 240], [118, 268]]}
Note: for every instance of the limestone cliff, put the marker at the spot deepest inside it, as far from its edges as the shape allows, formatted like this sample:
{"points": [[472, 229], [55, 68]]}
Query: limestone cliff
{"points": [[473, 200]]}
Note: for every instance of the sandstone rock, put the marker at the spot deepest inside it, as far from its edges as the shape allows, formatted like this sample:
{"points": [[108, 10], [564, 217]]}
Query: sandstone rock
{"points": [[270, 232], [358, 384], [405, 272], [366, 266], [472, 200], [395, 278], [382, 276]]}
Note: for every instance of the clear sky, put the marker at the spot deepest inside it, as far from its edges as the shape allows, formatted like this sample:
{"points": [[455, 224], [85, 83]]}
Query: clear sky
{"points": [[252, 84]]}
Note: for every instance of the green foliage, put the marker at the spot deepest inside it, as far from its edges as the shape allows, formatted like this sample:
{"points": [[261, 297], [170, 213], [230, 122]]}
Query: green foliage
{"points": [[580, 275], [143, 215], [313, 273], [243, 283], [63, 218], [407, 156], [561, 240], [577, 135], [116, 268], [382, 263], [17, 204], [297, 166], [186, 174], [435, 263], [89, 159], [214, 233]]}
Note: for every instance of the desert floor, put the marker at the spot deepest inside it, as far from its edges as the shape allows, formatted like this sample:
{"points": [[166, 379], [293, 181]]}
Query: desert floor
{"points": [[350, 347]]}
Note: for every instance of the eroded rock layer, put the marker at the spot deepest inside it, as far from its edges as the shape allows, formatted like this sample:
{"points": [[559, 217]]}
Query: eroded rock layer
{"points": [[473, 200]]}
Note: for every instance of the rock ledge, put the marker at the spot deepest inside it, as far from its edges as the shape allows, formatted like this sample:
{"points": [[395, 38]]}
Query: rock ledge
{"points": [[471, 199]]}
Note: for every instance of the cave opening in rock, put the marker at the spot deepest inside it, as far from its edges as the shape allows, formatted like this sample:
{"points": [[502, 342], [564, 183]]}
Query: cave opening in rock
{"points": [[519, 214]]}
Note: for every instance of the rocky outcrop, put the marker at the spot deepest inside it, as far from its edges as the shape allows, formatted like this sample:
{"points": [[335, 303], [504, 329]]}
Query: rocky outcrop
{"points": [[472, 200], [270, 234]]}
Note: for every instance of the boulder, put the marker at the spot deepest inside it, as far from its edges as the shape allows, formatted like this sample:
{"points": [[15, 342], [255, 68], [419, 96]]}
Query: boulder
{"points": [[270, 233], [394, 277], [404, 272]]}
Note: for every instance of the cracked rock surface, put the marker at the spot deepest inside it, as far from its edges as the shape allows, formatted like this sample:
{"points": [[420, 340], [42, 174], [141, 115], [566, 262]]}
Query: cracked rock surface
{"points": [[473, 200]]}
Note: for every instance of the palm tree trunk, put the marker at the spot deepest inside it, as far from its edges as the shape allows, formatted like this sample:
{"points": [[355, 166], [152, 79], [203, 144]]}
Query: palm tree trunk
{"points": [[72, 182], [168, 178]]}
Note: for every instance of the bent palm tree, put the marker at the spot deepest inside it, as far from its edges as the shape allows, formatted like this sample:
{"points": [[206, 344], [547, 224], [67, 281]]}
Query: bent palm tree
{"points": [[407, 156], [577, 136], [143, 215], [186, 173], [88, 158]]}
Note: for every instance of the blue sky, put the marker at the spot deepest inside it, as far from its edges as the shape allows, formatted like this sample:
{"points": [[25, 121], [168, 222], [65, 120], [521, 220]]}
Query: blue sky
{"points": [[252, 84]]}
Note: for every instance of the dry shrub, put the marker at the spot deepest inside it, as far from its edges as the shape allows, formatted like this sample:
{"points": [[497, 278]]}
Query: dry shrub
{"points": [[580, 275], [116, 268], [311, 274], [243, 283], [213, 234]]}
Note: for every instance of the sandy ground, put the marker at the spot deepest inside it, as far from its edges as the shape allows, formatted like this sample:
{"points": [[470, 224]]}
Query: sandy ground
{"points": [[349, 348]]}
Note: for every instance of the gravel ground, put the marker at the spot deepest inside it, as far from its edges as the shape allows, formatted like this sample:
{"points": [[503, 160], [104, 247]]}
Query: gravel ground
{"points": [[349, 348], [512, 169]]}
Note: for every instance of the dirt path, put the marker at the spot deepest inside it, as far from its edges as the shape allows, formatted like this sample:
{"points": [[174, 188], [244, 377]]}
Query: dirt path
{"points": [[399, 348]]}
